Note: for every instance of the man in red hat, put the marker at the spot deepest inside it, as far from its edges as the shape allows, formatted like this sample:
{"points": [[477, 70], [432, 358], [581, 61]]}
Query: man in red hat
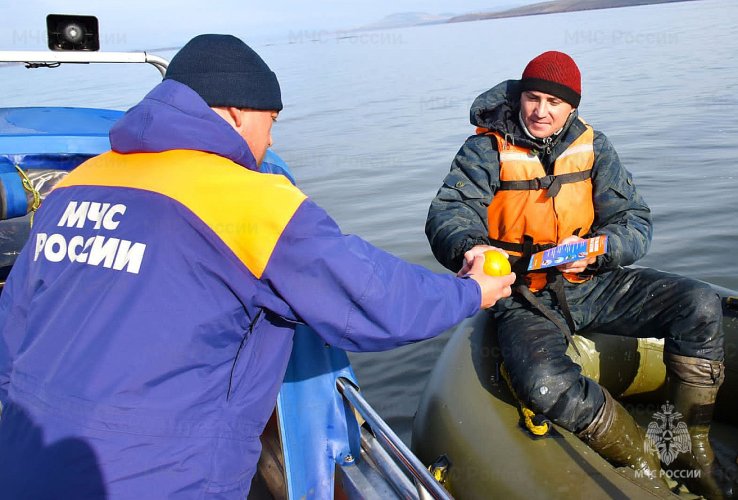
{"points": [[536, 175]]}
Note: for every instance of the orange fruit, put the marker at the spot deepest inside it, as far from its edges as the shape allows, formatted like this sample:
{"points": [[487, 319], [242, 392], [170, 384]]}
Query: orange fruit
{"points": [[496, 264]]}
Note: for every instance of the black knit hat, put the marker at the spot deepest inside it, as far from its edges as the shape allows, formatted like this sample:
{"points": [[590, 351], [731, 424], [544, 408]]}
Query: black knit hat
{"points": [[226, 72]]}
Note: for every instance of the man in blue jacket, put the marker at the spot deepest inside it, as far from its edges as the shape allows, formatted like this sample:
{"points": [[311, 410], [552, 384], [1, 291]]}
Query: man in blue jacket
{"points": [[534, 176], [146, 327]]}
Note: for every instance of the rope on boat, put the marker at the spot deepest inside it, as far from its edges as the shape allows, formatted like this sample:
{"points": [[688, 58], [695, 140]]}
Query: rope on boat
{"points": [[28, 186], [537, 425]]}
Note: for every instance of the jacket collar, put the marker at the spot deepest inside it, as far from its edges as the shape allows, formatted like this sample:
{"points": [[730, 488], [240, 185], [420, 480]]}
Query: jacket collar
{"points": [[498, 110], [173, 116]]}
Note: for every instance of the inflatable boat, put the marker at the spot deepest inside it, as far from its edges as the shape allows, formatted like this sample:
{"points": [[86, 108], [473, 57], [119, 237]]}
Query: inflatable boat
{"points": [[472, 432]]}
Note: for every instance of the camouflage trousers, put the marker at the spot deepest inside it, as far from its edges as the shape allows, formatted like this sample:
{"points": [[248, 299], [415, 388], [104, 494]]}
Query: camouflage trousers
{"points": [[637, 302]]}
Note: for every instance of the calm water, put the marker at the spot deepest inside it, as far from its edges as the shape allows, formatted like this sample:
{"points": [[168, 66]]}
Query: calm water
{"points": [[372, 123]]}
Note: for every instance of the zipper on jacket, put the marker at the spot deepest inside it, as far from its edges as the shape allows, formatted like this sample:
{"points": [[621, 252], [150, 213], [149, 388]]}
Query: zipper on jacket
{"points": [[547, 142], [245, 338]]}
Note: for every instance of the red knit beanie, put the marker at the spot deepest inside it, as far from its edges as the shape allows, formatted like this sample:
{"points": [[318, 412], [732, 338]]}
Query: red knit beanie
{"points": [[554, 73]]}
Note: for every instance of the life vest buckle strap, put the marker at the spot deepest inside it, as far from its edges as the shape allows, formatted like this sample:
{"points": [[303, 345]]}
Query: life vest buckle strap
{"points": [[521, 248], [552, 183], [544, 182]]}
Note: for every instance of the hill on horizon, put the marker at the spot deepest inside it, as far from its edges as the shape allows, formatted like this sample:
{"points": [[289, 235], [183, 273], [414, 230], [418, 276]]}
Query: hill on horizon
{"points": [[408, 19], [557, 6]]}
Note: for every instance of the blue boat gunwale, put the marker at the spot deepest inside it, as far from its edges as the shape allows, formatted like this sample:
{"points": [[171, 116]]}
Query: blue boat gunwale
{"points": [[55, 130]]}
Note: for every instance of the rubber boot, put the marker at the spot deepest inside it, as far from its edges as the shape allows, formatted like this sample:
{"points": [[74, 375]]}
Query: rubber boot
{"points": [[616, 436], [692, 388]]}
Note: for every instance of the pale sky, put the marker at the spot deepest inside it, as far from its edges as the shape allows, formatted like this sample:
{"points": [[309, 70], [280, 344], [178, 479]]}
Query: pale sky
{"points": [[138, 24]]}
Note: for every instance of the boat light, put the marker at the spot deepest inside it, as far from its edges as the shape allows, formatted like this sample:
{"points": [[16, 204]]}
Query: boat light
{"points": [[72, 32]]}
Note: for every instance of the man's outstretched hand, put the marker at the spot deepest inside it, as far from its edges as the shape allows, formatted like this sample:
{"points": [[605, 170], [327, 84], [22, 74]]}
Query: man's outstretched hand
{"points": [[493, 288]]}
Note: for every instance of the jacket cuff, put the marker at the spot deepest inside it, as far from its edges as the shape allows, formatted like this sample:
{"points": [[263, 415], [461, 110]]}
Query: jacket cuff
{"points": [[476, 293], [470, 243], [464, 246]]}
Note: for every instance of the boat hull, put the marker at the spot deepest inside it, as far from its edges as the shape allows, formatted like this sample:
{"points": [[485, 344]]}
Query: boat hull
{"points": [[468, 414]]}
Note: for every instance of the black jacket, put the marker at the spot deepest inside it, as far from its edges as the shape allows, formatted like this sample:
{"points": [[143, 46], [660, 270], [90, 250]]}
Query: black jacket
{"points": [[457, 218]]}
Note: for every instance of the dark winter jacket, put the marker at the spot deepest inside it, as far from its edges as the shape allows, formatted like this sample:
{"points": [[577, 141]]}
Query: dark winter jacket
{"points": [[457, 219]]}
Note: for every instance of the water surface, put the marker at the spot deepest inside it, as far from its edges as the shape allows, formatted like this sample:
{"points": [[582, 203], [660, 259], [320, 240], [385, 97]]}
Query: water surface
{"points": [[371, 124]]}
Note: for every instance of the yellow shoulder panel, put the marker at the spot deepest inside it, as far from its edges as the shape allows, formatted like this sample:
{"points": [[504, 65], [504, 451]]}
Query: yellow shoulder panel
{"points": [[247, 210]]}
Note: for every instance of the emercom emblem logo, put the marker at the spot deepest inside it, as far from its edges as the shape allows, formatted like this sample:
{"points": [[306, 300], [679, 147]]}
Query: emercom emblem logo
{"points": [[667, 434]]}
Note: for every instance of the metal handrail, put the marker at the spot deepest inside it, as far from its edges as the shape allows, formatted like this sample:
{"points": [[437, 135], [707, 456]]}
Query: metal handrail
{"points": [[392, 442], [387, 466], [34, 58]]}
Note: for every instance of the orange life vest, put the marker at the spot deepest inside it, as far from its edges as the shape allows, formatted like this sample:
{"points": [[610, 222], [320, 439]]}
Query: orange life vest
{"points": [[542, 209]]}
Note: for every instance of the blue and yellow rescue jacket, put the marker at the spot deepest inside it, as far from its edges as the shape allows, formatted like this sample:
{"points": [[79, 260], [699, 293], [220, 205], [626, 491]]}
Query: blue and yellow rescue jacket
{"points": [[146, 326]]}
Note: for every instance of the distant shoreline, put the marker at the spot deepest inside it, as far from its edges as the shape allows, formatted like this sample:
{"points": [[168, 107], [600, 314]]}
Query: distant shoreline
{"points": [[413, 19], [555, 7]]}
